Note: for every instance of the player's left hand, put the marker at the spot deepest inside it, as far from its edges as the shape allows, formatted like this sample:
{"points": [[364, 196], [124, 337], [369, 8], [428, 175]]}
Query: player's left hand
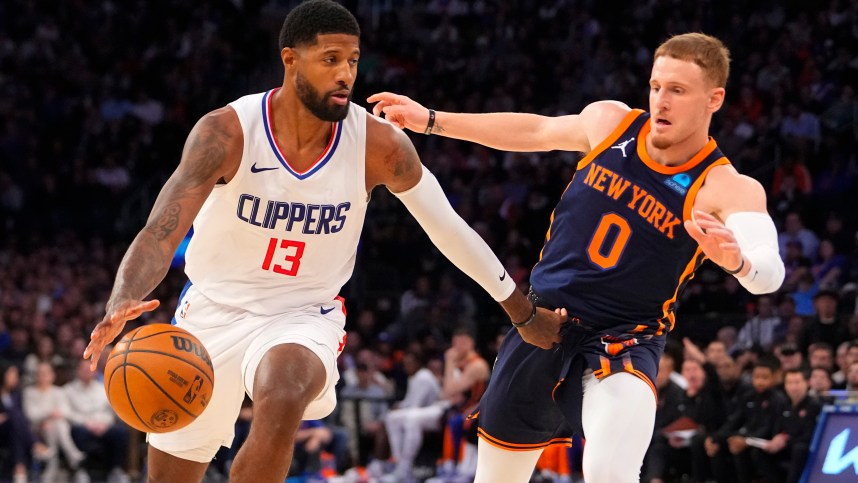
{"points": [[544, 331], [716, 240], [401, 111]]}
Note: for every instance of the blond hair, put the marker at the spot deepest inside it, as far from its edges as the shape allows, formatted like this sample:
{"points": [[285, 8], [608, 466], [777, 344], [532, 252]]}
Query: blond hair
{"points": [[704, 50]]}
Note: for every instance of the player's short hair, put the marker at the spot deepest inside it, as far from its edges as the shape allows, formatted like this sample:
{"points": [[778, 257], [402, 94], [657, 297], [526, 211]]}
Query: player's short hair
{"points": [[704, 50], [313, 18]]}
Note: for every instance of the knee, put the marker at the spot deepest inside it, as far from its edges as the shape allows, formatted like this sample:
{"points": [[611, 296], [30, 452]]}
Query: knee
{"points": [[285, 402], [395, 417]]}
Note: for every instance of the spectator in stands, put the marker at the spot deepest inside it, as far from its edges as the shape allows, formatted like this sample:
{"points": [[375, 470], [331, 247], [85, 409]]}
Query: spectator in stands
{"points": [[795, 328], [852, 378], [466, 374], [15, 431], [363, 406], [841, 116], [786, 307], [706, 405], [729, 336], [829, 270], [800, 128], [799, 282], [764, 329], [715, 351], [820, 382], [790, 357], [46, 408], [310, 439], [787, 198], [423, 390], [852, 326], [45, 352], [821, 355], [371, 360], [666, 452], [419, 296], [754, 418], [843, 357], [117, 104], [794, 428], [794, 169], [835, 230], [95, 428], [826, 326], [795, 231], [19, 346]]}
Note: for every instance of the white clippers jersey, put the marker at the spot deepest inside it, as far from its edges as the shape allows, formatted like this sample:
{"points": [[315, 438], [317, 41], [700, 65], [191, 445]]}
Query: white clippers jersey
{"points": [[274, 239]]}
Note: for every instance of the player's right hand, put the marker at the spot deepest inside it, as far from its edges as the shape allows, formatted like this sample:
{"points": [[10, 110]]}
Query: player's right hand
{"points": [[111, 325], [544, 331], [401, 111]]}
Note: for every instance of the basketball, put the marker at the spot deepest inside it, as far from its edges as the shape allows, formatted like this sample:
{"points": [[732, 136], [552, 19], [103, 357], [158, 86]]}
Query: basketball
{"points": [[159, 378]]}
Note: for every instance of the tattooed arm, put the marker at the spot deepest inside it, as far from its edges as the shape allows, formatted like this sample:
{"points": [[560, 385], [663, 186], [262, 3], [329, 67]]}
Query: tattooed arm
{"points": [[212, 151]]}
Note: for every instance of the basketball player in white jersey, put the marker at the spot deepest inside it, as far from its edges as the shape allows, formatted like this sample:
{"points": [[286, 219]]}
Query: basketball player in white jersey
{"points": [[276, 185]]}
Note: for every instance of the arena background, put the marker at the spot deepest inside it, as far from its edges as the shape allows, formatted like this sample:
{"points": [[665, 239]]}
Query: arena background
{"points": [[97, 97]]}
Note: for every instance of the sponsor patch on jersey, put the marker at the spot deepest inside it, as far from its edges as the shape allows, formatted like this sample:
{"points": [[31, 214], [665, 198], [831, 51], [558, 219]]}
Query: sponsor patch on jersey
{"points": [[679, 183]]}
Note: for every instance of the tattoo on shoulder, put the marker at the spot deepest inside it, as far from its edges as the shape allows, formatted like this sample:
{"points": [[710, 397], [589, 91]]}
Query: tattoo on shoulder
{"points": [[166, 222], [403, 159], [207, 147]]}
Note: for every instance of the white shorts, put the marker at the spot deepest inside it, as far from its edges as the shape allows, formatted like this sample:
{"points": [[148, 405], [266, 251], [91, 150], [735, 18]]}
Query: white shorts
{"points": [[236, 341]]}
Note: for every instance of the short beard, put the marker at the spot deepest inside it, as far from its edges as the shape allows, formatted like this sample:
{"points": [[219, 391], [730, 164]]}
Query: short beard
{"points": [[318, 104], [660, 143]]}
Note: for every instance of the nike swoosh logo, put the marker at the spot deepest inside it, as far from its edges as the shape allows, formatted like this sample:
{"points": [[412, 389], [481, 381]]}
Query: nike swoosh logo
{"points": [[324, 311], [254, 169], [502, 277]]}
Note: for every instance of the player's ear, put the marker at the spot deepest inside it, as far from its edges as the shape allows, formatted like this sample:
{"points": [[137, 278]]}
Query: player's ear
{"points": [[288, 55], [716, 99]]}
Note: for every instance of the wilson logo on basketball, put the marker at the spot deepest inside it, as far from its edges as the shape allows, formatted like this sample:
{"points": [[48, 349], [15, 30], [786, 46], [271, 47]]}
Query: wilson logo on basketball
{"points": [[183, 344]]}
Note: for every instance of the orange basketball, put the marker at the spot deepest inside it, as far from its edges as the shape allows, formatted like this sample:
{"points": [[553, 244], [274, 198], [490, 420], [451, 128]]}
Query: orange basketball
{"points": [[159, 378]]}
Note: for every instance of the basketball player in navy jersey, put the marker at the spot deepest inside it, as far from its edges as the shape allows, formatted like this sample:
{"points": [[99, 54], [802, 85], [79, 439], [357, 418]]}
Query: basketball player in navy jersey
{"points": [[651, 200], [276, 185]]}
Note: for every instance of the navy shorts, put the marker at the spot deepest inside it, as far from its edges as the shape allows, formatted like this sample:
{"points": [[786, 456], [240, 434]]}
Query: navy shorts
{"points": [[534, 397]]}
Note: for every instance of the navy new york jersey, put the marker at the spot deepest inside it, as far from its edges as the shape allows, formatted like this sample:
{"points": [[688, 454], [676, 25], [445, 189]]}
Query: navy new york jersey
{"points": [[617, 254]]}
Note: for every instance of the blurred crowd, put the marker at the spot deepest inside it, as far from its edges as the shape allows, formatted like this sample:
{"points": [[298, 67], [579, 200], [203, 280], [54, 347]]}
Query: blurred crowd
{"points": [[96, 99]]}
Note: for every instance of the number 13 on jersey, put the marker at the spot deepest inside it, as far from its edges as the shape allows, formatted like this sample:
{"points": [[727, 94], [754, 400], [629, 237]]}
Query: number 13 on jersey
{"points": [[608, 257], [289, 251]]}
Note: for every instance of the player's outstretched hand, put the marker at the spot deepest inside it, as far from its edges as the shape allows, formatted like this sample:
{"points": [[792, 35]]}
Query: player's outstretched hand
{"points": [[544, 331], [401, 111], [716, 240], [111, 325]]}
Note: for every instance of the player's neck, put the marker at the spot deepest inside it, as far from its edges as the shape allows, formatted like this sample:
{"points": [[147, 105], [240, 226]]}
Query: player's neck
{"points": [[294, 125], [679, 153]]}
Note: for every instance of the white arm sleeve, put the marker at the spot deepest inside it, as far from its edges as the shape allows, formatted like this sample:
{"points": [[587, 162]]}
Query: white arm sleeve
{"points": [[456, 240], [758, 239]]}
